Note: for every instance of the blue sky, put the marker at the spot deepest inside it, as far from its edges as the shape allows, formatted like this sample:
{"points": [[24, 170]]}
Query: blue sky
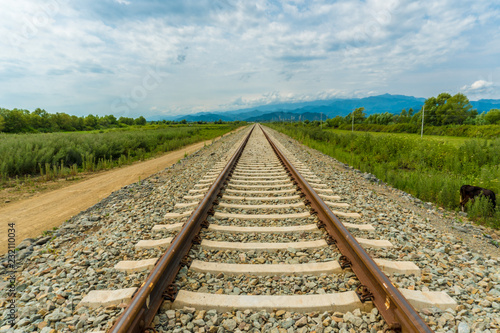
{"points": [[148, 57]]}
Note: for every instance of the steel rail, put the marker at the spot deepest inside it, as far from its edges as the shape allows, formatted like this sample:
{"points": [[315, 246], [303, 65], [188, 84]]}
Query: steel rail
{"points": [[392, 305], [148, 299]]}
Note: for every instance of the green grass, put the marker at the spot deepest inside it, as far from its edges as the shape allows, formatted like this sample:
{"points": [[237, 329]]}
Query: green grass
{"points": [[470, 131], [432, 169], [451, 140], [54, 155]]}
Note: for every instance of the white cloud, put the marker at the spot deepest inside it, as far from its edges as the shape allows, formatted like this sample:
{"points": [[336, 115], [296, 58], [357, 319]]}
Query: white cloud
{"points": [[480, 84], [224, 54], [481, 89]]}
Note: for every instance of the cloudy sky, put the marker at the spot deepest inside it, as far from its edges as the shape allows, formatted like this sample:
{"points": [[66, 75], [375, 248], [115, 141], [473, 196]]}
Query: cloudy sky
{"points": [[152, 57]]}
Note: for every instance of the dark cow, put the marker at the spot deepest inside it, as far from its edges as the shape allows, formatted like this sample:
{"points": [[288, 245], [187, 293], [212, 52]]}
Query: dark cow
{"points": [[469, 192]]}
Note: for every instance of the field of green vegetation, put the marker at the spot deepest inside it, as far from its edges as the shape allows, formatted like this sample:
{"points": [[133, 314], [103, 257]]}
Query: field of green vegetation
{"points": [[432, 169], [437, 139], [54, 155], [471, 131]]}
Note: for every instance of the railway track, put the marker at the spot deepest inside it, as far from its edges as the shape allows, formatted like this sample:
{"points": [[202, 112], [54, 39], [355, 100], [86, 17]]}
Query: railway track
{"points": [[259, 232]]}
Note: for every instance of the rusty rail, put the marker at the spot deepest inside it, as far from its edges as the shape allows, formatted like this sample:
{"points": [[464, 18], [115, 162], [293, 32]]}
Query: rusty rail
{"points": [[392, 305], [148, 299]]}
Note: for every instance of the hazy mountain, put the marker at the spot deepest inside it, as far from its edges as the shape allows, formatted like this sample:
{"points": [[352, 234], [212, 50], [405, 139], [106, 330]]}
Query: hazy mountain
{"points": [[486, 104], [286, 116], [225, 116], [328, 108], [207, 117]]}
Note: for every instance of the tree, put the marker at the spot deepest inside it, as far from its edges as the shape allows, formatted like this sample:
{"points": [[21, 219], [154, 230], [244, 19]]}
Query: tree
{"points": [[359, 116], [492, 117], [335, 122], [16, 121], [446, 109], [431, 106], [2, 123], [77, 123], [140, 121], [62, 121], [380, 118], [126, 121], [91, 121], [404, 116], [108, 121], [477, 120], [455, 110], [40, 120]]}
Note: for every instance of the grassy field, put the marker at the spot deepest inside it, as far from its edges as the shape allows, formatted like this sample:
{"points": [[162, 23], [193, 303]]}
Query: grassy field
{"points": [[452, 130], [439, 139], [432, 169], [54, 155]]}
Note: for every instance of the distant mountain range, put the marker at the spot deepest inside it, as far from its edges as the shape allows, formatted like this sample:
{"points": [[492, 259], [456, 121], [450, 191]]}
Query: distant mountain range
{"points": [[282, 115], [320, 109]]}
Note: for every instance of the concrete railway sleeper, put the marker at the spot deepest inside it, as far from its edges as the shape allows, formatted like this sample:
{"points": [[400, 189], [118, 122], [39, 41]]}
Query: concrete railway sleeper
{"points": [[257, 230]]}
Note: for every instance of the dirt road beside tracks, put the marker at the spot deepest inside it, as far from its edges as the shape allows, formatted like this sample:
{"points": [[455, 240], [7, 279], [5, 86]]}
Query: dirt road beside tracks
{"points": [[48, 210]]}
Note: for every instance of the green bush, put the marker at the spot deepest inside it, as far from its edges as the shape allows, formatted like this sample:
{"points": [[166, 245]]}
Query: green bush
{"points": [[481, 210]]}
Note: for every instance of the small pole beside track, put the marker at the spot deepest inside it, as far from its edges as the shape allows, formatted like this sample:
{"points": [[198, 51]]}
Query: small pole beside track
{"points": [[422, 130], [352, 121]]}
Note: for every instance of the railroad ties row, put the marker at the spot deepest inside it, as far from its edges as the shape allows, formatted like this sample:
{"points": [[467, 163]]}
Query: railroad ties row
{"points": [[262, 231], [263, 249]]}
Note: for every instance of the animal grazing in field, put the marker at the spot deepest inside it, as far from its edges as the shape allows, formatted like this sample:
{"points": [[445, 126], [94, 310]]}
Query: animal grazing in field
{"points": [[469, 192]]}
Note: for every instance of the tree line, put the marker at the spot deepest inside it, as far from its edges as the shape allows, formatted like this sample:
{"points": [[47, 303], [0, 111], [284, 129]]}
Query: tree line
{"points": [[442, 110], [40, 121]]}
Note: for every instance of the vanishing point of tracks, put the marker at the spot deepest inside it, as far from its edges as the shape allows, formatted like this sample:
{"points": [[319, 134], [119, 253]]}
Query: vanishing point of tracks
{"points": [[261, 200]]}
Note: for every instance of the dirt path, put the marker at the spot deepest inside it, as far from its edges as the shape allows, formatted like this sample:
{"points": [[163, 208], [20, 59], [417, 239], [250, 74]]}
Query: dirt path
{"points": [[45, 211]]}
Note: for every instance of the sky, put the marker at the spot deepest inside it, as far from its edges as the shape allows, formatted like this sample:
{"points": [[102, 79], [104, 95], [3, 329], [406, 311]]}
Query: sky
{"points": [[155, 57]]}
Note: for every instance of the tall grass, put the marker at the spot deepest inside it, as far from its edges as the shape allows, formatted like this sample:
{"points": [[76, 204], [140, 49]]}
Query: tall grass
{"points": [[476, 131], [431, 171], [481, 209], [54, 155]]}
